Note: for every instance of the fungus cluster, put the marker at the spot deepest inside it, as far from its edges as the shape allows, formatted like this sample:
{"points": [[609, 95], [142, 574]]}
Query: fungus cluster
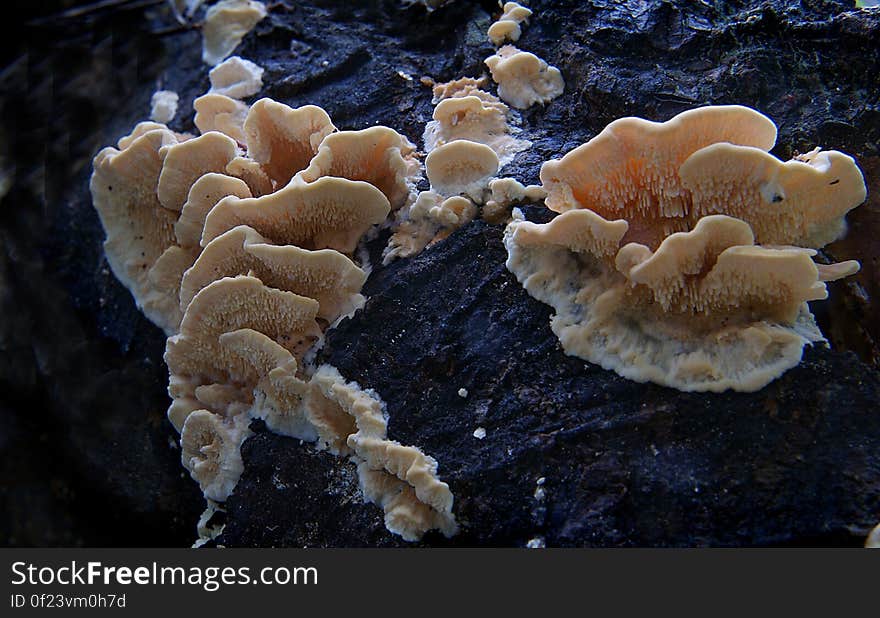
{"points": [[468, 141], [508, 26], [239, 243], [683, 254], [226, 24], [523, 78]]}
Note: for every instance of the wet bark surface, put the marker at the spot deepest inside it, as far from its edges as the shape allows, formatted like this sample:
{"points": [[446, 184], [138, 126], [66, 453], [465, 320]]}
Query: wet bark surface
{"points": [[88, 458]]}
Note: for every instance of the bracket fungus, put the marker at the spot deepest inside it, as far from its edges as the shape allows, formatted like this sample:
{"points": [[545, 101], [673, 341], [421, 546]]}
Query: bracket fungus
{"points": [[481, 119], [236, 78], [379, 155], [461, 167], [524, 79], [328, 213], [507, 192], [163, 106], [507, 27], [185, 162], [138, 228], [672, 262], [226, 24], [244, 268], [430, 219], [326, 275], [283, 139], [195, 357], [210, 449], [218, 112]]}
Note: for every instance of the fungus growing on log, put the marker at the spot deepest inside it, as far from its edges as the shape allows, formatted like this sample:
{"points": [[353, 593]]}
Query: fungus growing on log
{"points": [[475, 119], [430, 219], [400, 479], [328, 213], [379, 155], [236, 78], [139, 229], [249, 268], [210, 449], [508, 27], [649, 276], [217, 112], [195, 357], [203, 196], [284, 140], [326, 275], [226, 24], [461, 167], [185, 162], [524, 79], [507, 192]]}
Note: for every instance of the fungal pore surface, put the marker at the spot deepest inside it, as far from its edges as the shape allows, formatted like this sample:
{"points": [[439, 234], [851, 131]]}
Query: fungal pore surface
{"points": [[683, 251]]}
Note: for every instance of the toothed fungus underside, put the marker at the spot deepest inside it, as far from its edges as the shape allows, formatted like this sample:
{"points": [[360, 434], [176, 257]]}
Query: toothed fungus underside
{"points": [[247, 268], [524, 79], [226, 24], [674, 259]]}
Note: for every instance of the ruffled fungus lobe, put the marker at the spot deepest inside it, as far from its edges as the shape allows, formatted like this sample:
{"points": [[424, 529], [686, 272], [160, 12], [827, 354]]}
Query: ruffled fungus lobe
{"points": [[507, 28], [461, 167], [210, 448], [430, 219], [236, 78], [284, 140], [461, 87], [400, 479], [226, 24], [196, 357], [163, 106], [507, 192], [594, 175], [662, 177], [217, 112], [326, 275], [279, 396], [328, 213], [800, 202], [185, 162], [203, 196], [524, 79], [689, 300], [379, 155], [475, 119], [139, 229]]}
